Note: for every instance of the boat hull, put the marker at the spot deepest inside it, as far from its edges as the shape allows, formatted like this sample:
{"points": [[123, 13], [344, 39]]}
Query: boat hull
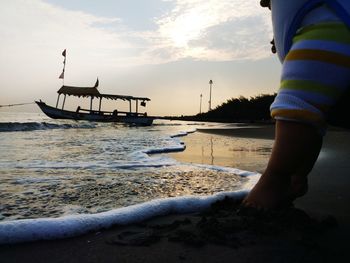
{"points": [[55, 113]]}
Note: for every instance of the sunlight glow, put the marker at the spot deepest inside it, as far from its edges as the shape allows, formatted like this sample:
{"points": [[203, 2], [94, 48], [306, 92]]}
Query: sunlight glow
{"points": [[213, 30], [185, 28]]}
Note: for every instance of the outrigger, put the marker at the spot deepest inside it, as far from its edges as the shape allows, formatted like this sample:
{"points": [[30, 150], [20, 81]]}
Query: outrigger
{"points": [[130, 117]]}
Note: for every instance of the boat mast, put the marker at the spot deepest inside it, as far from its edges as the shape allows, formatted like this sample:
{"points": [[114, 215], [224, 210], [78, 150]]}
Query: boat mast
{"points": [[64, 54]]}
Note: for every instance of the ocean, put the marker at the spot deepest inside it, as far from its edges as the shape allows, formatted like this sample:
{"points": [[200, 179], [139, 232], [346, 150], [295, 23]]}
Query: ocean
{"points": [[61, 178]]}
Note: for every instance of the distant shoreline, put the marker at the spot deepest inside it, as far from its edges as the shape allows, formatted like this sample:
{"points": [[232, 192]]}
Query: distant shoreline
{"points": [[262, 132]]}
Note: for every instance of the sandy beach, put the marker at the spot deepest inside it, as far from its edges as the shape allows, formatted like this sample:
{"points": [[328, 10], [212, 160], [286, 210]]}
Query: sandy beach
{"points": [[317, 229]]}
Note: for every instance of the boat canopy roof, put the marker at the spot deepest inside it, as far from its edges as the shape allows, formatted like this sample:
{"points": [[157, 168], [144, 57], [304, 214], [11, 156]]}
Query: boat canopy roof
{"points": [[93, 92], [79, 91]]}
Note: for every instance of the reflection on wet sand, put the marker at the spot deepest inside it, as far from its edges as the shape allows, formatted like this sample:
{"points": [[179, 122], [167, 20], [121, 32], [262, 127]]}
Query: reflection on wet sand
{"points": [[211, 150], [243, 153]]}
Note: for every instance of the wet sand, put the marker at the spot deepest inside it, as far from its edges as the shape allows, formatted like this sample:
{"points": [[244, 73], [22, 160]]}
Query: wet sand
{"points": [[317, 230], [244, 148]]}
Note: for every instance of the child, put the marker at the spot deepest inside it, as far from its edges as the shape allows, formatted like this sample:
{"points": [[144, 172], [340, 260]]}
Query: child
{"points": [[312, 39]]}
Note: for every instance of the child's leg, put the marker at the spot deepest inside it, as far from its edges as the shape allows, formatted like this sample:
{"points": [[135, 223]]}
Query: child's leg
{"points": [[299, 182], [316, 73], [294, 153]]}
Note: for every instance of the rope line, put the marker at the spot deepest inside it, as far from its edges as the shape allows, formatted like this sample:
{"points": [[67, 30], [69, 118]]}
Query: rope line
{"points": [[16, 104]]}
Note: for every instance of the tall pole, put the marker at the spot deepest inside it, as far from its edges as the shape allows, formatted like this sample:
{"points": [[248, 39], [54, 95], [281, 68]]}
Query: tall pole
{"points": [[200, 104], [64, 65], [210, 84]]}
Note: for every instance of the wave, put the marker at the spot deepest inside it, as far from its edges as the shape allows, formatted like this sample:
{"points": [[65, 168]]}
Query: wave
{"points": [[146, 158], [179, 124], [33, 126], [167, 124], [27, 230], [183, 133]]}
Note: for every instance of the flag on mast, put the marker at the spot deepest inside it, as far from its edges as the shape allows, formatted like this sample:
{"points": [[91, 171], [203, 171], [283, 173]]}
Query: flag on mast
{"points": [[64, 53], [62, 75]]}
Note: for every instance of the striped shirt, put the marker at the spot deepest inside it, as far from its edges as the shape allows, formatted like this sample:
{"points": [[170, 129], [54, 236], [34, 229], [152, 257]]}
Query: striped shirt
{"points": [[316, 68]]}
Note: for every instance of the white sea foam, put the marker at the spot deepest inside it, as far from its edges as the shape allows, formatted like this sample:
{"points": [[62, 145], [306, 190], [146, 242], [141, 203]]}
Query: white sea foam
{"points": [[183, 133], [174, 148], [226, 169], [26, 230]]}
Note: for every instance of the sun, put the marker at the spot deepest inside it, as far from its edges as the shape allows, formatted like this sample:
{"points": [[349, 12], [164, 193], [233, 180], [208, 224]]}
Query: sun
{"points": [[184, 28]]}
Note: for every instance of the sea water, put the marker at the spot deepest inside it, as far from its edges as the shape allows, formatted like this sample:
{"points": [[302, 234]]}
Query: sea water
{"points": [[60, 178]]}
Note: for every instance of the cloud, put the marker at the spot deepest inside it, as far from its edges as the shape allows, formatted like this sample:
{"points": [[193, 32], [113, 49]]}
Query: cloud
{"points": [[230, 40], [33, 27], [33, 35], [212, 30], [216, 30]]}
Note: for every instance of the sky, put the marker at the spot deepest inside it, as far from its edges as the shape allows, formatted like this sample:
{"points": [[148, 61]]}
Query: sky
{"points": [[166, 50]]}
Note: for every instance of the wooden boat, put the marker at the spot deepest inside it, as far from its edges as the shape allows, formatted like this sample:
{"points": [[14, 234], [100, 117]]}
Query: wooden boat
{"points": [[130, 117]]}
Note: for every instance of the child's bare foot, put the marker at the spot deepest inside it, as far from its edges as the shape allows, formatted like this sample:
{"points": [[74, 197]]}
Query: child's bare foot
{"points": [[276, 191], [298, 187], [295, 151], [270, 192]]}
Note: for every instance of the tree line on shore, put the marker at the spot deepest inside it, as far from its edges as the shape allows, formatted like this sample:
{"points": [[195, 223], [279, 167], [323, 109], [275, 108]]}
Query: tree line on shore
{"points": [[242, 109], [257, 110]]}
